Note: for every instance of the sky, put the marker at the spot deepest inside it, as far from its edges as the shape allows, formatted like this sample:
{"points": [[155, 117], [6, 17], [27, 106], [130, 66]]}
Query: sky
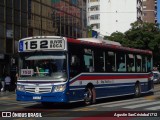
{"points": [[158, 10]]}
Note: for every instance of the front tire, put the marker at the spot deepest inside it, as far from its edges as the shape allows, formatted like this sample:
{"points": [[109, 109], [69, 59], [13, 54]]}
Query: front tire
{"points": [[137, 90], [88, 96], [94, 95]]}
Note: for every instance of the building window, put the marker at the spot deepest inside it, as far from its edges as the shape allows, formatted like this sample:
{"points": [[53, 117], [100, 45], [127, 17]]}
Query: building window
{"points": [[144, 6], [94, 8], [96, 26], [144, 14], [94, 17]]}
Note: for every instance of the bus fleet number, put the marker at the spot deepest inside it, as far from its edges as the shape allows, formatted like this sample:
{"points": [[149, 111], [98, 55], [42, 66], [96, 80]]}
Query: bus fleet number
{"points": [[33, 44]]}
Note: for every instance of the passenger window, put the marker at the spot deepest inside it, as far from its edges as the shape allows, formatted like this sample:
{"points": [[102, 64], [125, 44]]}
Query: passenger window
{"points": [[144, 64], [121, 63], [148, 64], [99, 59], [110, 61], [75, 66], [138, 63], [88, 60], [130, 63]]}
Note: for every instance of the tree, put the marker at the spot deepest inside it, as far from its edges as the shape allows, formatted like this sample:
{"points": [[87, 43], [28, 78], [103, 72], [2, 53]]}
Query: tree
{"points": [[118, 37], [142, 34], [89, 30]]}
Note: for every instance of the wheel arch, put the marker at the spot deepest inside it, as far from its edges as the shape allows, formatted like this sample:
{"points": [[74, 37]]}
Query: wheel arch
{"points": [[89, 85], [137, 82], [93, 90]]}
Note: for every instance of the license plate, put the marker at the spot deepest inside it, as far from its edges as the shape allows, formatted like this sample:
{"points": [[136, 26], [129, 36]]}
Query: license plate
{"points": [[36, 97]]}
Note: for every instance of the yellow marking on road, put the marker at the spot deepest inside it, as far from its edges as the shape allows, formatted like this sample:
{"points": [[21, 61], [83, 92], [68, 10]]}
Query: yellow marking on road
{"points": [[85, 109], [12, 108], [150, 97], [7, 98]]}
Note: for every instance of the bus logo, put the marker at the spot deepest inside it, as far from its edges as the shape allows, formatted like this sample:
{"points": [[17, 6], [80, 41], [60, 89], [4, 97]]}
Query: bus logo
{"points": [[37, 90]]}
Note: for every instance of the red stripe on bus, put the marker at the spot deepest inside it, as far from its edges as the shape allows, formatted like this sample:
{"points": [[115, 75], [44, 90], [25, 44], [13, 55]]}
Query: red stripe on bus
{"points": [[109, 77]]}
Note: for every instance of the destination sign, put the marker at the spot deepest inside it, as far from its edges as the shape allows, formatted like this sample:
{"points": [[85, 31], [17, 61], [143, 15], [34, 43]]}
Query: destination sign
{"points": [[40, 44]]}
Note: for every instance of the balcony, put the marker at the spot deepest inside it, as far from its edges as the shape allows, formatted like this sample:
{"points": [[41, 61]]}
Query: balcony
{"points": [[97, 21], [93, 4]]}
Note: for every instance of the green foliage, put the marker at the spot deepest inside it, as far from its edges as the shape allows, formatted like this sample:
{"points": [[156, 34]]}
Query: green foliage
{"points": [[142, 35], [89, 28]]}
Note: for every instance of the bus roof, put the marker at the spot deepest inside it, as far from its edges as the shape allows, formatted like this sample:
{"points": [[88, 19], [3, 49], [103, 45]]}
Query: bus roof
{"points": [[106, 44], [39, 37], [99, 41]]}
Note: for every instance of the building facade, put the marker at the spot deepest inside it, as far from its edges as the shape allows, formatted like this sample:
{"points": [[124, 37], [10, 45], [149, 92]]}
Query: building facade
{"points": [[57, 17], [23, 18], [150, 11], [108, 16], [13, 26]]}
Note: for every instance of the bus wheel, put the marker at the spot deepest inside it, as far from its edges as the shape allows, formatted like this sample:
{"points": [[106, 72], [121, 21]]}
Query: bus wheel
{"points": [[88, 96], [94, 95], [137, 90]]}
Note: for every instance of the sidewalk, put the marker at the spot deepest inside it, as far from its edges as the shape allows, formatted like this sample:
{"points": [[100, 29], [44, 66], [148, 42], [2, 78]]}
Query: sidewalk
{"points": [[6, 93]]}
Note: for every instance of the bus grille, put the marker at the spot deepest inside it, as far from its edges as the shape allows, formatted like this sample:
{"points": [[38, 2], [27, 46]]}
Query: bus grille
{"points": [[38, 89]]}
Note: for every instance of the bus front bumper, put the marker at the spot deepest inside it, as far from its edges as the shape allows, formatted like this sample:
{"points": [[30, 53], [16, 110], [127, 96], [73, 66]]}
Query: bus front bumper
{"points": [[45, 97]]}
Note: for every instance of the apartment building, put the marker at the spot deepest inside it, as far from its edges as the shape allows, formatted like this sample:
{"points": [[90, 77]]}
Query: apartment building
{"points": [[150, 11], [108, 16]]}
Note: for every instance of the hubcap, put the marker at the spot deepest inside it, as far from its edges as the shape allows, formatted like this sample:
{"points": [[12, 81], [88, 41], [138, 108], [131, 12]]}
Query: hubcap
{"points": [[87, 96], [137, 90]]}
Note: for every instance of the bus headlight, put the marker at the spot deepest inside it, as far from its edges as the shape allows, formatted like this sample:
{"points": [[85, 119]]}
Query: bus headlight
{"points": [[59, 88], [20, 88]]}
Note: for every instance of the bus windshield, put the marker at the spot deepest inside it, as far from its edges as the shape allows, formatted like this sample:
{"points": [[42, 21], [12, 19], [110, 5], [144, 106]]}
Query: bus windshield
{"points": [[43, 65]]}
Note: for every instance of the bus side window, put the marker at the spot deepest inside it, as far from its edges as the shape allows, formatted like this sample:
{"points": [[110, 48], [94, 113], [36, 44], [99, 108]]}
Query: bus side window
{"points": [[130, 63], [121, 63], [148, 64], [110, 61], [88, 60], [99, 60], [138, 63], [74, 66], [143, 64]]}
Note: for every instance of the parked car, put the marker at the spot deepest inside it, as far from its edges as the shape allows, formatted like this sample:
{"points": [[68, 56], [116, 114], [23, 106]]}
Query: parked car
{"points": [[156, 76]]}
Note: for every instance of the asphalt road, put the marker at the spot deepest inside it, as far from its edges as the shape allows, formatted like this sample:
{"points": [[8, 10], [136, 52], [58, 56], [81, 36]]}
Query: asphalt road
{"points": [[123, 108]]}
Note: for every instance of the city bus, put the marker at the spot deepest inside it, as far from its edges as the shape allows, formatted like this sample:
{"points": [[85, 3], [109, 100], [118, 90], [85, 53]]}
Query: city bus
{"points": [[55, 69]]}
